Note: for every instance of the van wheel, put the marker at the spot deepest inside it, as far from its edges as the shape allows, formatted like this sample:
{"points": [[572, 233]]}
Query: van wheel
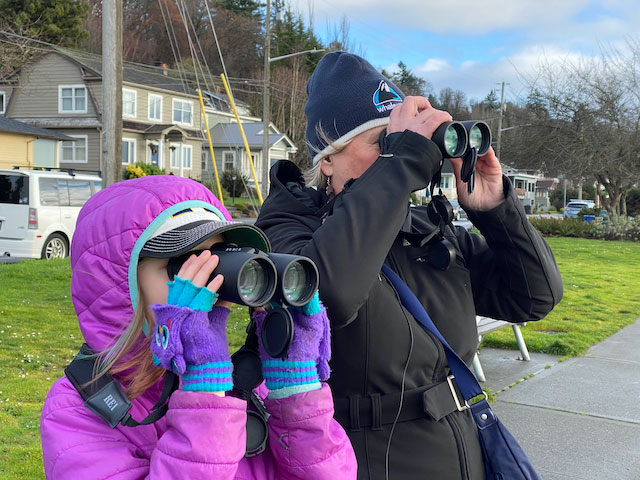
{"points": [[55, 247]]}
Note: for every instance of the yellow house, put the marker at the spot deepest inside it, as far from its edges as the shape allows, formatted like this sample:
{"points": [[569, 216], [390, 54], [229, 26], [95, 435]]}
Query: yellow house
{"points": [[24, 145]]}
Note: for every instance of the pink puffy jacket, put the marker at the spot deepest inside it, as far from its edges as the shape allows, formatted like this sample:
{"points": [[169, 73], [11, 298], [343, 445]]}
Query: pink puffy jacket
{"points": [[202, 436]]}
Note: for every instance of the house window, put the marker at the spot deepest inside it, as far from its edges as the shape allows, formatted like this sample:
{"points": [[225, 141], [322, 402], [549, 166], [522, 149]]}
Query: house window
{"points": [[181, 153], [205, 160], [128, 151], [74, 151], [3, 102], [129, 98], [519, 183], [444, 182], [155, 107], [72, 99], [228, 160], [183, 112]]}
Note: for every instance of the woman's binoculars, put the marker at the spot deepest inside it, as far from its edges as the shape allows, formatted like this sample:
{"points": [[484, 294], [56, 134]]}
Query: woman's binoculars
{"points": [[255, 278], [454, 139]]}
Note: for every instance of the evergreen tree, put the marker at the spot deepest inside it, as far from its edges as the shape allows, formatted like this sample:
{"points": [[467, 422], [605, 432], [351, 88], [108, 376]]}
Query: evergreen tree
{"points": [[244, 8], [408, 82], [55, 21]]}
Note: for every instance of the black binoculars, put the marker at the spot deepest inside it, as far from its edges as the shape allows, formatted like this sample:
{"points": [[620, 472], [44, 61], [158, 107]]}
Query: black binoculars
{"points": [[454, 139], [255, 278]]}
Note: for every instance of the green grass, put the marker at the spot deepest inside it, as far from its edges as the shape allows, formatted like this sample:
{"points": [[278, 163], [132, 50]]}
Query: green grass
{"points": [[39, 334], [601, 296]]}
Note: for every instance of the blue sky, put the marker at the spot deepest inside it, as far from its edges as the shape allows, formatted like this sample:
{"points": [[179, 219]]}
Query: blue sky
{"points": [[474, 45]]}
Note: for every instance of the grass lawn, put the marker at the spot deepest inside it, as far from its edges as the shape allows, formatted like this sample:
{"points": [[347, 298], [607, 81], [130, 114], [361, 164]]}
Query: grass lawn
{"points": [[601, 296], [39, 333]]}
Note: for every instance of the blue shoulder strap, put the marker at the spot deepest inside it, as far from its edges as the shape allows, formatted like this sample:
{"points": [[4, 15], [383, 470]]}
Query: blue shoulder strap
{"points": [[469, 386]]}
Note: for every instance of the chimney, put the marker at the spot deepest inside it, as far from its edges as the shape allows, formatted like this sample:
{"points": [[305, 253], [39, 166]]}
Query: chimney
{"points": [[162, 65]]}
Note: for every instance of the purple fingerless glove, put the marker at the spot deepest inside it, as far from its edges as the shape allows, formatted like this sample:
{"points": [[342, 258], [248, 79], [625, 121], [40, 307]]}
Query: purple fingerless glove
{"points": [[309, 353], [193, 344]]}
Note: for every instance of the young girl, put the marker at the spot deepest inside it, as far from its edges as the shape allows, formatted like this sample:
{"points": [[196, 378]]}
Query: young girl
{"points": [[143, 324]]}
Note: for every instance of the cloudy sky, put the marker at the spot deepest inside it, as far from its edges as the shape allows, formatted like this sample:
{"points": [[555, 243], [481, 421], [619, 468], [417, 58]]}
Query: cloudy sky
{"points": [[474, 45]]}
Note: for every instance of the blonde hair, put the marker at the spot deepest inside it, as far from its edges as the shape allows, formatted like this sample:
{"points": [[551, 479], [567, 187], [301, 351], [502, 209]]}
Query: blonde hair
{"points": [[313, 177], [145, 373]]}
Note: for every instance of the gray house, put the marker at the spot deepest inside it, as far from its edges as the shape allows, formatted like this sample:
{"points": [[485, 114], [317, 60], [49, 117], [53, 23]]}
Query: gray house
{"points": [[61, 90], [230, 152]]}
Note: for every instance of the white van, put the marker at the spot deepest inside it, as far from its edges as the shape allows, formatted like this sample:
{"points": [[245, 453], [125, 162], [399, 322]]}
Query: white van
{"points": [[39, 209]]}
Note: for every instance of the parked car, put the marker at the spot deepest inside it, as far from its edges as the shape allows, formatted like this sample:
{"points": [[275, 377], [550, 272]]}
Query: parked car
{"points": [[39, 209], [458, 212], [574, 206]]}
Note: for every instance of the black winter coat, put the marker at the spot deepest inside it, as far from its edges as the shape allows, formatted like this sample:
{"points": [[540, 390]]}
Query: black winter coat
{"points": [[508, 273]]}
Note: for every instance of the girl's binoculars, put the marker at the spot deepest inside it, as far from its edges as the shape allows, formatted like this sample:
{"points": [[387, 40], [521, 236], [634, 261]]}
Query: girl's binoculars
{"points": [[454, 139], [255, 278]]}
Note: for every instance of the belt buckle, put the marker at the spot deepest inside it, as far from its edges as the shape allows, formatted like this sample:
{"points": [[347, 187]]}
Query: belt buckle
{"points": [[460, 407]]}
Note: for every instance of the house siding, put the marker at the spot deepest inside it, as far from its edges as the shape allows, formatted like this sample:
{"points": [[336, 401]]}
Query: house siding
{"points": [[93, 149], [39, 81], [15, 150]]}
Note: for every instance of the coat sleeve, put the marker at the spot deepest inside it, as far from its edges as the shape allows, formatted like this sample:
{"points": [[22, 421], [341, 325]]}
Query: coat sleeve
{"points": [[350, 247], [204, 439], [306, 442], [514, 275]]}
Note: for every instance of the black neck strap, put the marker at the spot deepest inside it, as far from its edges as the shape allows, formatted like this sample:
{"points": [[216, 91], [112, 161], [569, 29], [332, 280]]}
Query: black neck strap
{"points": [[106, 398]]}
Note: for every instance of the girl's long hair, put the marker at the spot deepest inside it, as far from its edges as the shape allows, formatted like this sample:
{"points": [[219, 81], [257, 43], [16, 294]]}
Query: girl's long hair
{"points": [[139, 360]]}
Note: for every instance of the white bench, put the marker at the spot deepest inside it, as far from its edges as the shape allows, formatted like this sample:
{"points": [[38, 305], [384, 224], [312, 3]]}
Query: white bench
{"points": [[487, 325]]}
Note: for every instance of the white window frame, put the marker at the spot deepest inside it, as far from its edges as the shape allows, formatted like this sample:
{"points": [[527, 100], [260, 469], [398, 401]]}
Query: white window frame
{"points": [[3, 106], [224, 163], [204, 166], [445, 182], [132, 157], [135, 103], [149, 117], [75, 160], [181, 148], [182, 155], [74, 87], [173, 109]]}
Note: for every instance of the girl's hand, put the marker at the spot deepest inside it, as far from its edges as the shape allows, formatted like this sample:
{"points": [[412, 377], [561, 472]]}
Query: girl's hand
{"points": [[416, 114], [488, 192], [199, 268]]}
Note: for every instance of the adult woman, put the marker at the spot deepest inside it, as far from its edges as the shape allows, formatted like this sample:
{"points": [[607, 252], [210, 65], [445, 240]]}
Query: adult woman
{"points": [[389, 375]]}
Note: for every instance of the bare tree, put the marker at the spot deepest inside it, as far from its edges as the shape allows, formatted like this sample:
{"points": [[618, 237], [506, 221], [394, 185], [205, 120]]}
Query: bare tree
{"points": [[583, 120]]}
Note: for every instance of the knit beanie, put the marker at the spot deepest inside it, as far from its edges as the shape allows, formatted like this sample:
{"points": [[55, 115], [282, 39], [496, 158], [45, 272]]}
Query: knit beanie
{"points": [[346, 96]]}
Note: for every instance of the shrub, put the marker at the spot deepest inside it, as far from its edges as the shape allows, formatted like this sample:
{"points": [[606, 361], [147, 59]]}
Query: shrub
{"points": [[242, 207], [134, 171], [604, 229], [236, 186], [552, 209]]}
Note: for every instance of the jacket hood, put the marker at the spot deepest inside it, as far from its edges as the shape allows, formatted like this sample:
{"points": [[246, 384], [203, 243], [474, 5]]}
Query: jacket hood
{"points": [[111, 229], [290, 198]]}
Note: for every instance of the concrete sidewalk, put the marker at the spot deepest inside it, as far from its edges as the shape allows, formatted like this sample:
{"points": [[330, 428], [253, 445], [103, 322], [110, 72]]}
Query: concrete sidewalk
{"points": [[579, 419]]}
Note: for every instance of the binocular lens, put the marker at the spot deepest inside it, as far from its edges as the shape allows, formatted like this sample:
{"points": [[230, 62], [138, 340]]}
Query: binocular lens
{"points": [[451, 139], [294, 281], [475, 137], [252, 282]]}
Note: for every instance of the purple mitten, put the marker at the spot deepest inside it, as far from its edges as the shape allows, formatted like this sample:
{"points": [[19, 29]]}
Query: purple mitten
{"points": [[193, 344], [309, 353]]}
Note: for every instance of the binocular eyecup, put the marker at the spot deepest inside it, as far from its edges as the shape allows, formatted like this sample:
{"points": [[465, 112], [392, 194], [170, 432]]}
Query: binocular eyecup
{"points": [[454, 139], [255, 278]]}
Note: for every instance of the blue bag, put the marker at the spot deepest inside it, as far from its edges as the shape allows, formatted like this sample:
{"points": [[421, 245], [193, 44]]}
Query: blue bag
{"points": [[503, 457]]}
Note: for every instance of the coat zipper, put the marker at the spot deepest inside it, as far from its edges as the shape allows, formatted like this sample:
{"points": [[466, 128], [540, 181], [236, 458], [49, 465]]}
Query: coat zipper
{"points": [[441, 353]]}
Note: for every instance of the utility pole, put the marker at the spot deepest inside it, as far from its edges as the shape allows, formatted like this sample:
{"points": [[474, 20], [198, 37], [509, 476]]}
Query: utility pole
{"points": [[500, 119], [111, 92], [266, 107]]}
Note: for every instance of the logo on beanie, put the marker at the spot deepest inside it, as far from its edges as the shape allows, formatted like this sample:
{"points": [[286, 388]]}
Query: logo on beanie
{"points": [[385, 98]]}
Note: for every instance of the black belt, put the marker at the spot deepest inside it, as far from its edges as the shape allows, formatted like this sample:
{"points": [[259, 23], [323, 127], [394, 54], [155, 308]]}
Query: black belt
{"points": [[374, 410]]}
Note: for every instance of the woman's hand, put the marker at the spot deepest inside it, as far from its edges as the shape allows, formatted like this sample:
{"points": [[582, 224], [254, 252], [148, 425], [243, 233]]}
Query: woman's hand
{"points": [[488, 192], [199, 268], [416, 114]]}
